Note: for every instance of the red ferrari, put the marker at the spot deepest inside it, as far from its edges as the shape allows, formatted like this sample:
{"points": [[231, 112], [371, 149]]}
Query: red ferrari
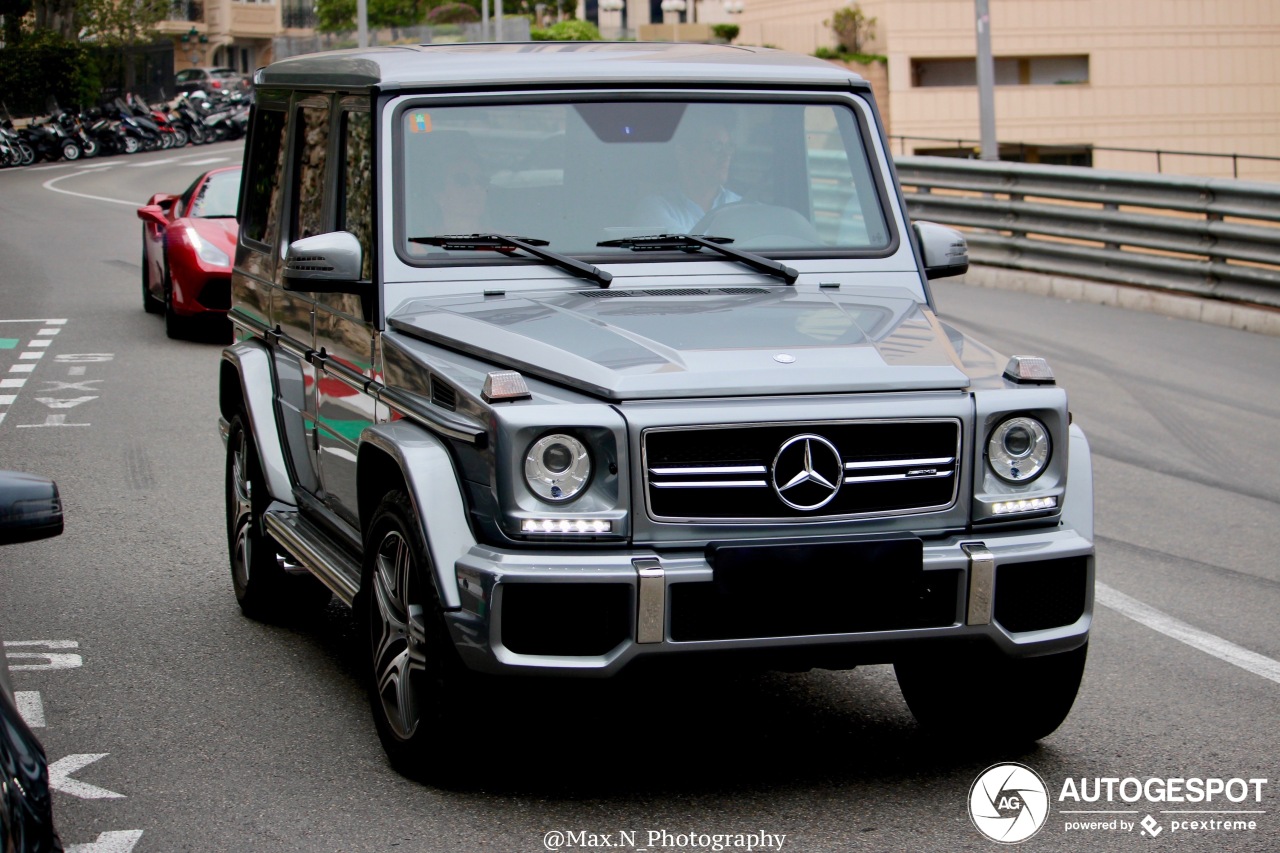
{"points": [[188, 245]]}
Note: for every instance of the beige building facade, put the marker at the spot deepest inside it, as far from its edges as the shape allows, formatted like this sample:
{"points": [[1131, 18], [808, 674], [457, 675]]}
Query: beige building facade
{"points": [[1074, 77], [232, 33]]}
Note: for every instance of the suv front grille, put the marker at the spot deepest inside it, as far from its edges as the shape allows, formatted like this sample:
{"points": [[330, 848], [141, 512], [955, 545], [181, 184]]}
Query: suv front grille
{"points": [[763, 472]]}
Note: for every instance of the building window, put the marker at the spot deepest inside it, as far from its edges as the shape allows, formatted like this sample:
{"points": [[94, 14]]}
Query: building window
{"points": [[1009, 71]]}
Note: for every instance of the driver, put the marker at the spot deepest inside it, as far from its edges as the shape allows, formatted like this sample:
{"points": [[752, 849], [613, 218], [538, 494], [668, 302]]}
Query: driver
{"points": [[703, 153]]}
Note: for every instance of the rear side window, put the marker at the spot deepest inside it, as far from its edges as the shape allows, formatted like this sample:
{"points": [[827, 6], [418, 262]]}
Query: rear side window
{"points": [[259, 222]]}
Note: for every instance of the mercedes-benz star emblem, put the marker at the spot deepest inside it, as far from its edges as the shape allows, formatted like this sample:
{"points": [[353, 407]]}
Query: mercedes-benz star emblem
{"points": [[807, 472]]}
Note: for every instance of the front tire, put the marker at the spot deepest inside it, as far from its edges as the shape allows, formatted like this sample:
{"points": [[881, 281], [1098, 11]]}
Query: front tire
{"points": [[71, 151], [416, 680], [149, 303], [264, 590], [991, 699]]}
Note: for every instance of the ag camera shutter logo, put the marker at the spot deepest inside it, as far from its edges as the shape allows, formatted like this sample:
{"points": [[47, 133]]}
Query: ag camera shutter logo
{"points": [[1008, 803]]}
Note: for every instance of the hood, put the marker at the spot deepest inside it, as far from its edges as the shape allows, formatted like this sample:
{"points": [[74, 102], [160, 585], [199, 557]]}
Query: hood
{"points": [[634, 344]]}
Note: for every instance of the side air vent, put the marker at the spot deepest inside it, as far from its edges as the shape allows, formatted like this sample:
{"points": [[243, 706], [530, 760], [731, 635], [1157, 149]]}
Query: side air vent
{"points": [[317, 263], [443, 395]]}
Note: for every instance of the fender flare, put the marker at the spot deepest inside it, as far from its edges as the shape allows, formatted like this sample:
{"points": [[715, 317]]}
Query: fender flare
{"points": [[432, 483], [1077, 504], [246, 380]]}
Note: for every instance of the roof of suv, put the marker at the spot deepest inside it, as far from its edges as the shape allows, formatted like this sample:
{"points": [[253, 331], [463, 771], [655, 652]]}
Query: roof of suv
{"points": [[555, 63]]}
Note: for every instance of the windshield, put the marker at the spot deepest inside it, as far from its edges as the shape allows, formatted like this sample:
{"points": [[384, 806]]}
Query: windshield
{"points": [[780, 177], [218, 196]]}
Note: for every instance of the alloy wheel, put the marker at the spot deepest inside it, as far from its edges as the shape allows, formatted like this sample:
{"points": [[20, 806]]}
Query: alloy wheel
{"points": [[399, 635]]}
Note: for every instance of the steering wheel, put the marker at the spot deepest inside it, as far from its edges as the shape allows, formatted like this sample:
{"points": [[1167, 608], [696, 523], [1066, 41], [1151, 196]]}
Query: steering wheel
{"points": [[751, 223]]}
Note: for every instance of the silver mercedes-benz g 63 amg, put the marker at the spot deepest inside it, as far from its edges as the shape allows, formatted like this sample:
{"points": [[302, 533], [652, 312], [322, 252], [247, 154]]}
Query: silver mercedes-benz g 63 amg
{"points": [[555, 357]]}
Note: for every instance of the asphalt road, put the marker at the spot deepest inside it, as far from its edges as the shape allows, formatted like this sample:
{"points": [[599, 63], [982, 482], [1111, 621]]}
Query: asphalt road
{"points": [[176, 724]]}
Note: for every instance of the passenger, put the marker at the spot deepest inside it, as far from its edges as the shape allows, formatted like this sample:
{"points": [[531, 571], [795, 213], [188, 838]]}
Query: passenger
{"points": [[454, 188], [704, 152]]}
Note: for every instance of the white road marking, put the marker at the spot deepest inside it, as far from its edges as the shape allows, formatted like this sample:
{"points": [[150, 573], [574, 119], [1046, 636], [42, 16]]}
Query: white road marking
{"points": [[7, 399], [70, 403], [49, 185], [12, 383], [31, 356], [1181, 631], [207, 161], [75, 371], [30, 707], [52, 660], [22, 368], [48, 331], [39, 343], [47, 322], [60, 777], [53, 421], [160, 162], [109, 842]]}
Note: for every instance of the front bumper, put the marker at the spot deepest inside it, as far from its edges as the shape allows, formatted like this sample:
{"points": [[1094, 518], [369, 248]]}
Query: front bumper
{"points": [[1024, 593]]}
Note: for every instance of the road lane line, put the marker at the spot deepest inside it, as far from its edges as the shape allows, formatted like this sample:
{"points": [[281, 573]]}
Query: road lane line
{"points": [[30, 707], [1210, 644], [49, 185], [109, 842], [207, 161], [60, 777]]}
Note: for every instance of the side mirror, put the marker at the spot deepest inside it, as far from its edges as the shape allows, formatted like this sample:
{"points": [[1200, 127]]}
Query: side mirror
{"points": [[30, 508], [325, 263], [154, 214], [944, 250]]}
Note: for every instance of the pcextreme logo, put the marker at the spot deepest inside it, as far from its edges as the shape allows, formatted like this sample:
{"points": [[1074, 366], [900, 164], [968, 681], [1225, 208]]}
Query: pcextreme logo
{"points": [[1008, 803]]}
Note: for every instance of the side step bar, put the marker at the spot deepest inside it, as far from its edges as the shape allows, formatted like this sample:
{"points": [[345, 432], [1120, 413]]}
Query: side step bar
{"points": [[314, 549]]}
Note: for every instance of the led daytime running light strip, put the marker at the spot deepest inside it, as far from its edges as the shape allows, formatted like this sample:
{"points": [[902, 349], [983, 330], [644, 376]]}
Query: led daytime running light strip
{"points": [[566, 525], [1024, 505]]}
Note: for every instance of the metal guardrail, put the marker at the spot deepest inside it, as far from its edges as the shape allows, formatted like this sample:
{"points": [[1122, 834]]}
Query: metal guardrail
{"points": [[1211, 237]]}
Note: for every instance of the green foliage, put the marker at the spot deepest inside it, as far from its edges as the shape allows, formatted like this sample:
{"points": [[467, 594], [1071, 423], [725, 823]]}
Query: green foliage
{"points": [[567, 31], [856, 58], [452, 13], [46, 66], [854, 30], [728, 32], [339, 16], [113, 23], [12, 11]]}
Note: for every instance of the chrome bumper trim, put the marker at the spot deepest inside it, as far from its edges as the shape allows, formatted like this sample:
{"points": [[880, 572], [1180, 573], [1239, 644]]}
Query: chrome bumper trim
{"points": [[651, 601], [982, 582]]}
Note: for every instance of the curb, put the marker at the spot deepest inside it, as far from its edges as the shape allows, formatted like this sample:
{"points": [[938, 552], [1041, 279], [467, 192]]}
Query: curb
{"points": [[1248, 318]]}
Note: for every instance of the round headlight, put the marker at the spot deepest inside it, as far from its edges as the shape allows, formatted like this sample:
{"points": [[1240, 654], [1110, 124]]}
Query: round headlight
{"points": [[1018, 450], [557, 467]]}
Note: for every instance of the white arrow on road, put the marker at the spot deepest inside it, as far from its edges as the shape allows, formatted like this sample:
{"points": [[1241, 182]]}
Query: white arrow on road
{"points": [[67, 403], [109, 842], [60, 777]]}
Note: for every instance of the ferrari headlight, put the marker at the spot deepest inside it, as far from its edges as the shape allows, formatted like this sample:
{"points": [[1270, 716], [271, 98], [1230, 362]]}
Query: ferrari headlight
{"points": [[557, 467], [1018, 449], [208, 252]]}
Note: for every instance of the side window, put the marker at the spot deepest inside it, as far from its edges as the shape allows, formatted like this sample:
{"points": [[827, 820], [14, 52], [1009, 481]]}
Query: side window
{"points": [[356, 209], [309, 174], [259, 219]]}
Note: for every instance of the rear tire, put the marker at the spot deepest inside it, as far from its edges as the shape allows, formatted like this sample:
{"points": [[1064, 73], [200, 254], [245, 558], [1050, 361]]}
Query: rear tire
{"points": [[264, 590], [71, 151], [991, 699], [417, 683], [131, 144]]}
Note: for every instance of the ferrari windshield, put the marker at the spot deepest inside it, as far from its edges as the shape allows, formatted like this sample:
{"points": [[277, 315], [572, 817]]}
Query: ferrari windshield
{"points": [[765, 176]]}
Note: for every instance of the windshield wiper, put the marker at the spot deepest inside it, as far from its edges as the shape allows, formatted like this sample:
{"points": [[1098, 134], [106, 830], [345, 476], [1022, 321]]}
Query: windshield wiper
{"points": [[715, 244], [507, 244]]}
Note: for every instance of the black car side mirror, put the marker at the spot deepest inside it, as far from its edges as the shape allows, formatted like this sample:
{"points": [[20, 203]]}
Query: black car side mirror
{"points": [[30, 508]]}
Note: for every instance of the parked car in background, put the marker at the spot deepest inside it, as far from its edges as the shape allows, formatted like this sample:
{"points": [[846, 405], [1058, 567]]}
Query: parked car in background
{"points": [[30, 508], [188, 242], [209, 80]]}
